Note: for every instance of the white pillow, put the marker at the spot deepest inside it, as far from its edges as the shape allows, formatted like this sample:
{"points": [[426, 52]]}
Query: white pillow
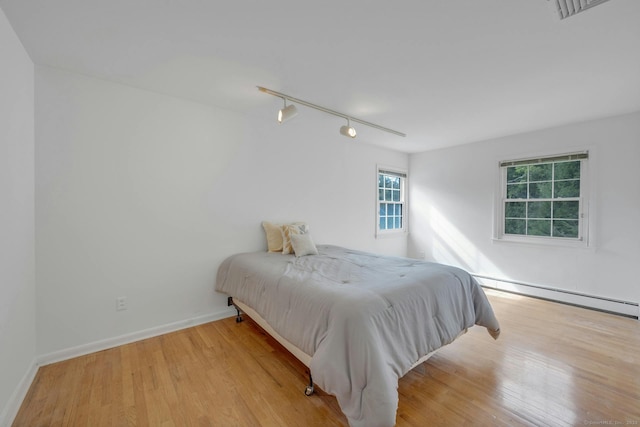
{"points": [[289, 230], [303, 245]]}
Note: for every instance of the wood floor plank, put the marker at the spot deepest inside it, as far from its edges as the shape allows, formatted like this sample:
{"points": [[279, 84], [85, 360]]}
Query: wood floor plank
{"points": [[554, 365]]}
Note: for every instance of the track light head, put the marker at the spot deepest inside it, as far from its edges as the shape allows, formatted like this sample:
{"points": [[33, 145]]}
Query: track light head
{"points": [[286, 113], [347, 130]]}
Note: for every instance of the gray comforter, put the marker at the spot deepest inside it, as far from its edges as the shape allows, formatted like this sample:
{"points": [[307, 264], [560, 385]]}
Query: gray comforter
{"points": [[365, 319]]}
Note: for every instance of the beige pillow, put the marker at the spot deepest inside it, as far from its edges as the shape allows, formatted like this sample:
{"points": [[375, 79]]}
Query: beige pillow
{"points": [[303, 245], [288, 230], [274, 236]]}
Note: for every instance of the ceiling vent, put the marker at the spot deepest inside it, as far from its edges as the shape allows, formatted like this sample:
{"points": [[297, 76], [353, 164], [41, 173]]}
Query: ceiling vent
{"points": [[567, 8]]}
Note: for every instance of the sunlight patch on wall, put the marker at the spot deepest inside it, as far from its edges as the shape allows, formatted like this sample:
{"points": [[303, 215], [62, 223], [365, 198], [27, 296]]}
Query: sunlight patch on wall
{"points": [[451, 246]]}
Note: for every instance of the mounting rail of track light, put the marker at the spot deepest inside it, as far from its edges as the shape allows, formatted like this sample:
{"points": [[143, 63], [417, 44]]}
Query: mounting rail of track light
{"points": [[290, 111]]}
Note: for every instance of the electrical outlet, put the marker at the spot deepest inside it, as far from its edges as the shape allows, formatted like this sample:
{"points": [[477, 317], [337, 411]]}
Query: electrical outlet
{"points": [[421, 254], [121, 303]]}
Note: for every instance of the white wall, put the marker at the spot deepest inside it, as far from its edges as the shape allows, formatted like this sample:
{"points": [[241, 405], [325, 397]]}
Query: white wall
{"points": [[142, 195], [17, 284], [452, 208]]}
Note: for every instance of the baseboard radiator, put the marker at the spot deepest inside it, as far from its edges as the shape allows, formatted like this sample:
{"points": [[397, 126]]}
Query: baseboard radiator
{"points": [[609, 305]]}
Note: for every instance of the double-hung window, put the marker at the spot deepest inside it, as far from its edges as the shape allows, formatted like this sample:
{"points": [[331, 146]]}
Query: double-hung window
{"points": [[544, 199], [391, 206]]}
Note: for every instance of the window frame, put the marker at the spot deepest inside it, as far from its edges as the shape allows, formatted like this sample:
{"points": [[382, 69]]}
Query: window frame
{"points": [[404, 187], [583, 199]]}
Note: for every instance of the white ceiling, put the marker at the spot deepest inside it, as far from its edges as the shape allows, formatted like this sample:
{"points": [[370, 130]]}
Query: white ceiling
{"points": [[445, 72]]}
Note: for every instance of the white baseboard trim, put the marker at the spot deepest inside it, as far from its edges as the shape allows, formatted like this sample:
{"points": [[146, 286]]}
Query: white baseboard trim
{"points": [[626, 308], [12, 407], [92, 347]]}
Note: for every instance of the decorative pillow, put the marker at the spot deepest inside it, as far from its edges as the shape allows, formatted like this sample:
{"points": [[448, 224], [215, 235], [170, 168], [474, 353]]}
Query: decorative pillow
{"points": [[274, 236], [303, 245], [290, 229]]}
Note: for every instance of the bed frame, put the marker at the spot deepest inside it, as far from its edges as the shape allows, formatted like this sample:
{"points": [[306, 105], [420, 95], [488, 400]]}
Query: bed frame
{"points": [[299, 354]]}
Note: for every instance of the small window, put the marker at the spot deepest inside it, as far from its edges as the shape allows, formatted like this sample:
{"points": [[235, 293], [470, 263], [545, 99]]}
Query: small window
{"points": [[544, 198], [391, 206]]}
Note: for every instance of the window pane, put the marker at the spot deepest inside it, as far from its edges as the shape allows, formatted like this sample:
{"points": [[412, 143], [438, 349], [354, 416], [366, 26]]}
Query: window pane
{"points": [[567, 170], [516, 191], [539, 227], [565, 228], [540, 172], [515, 226], [539, 210], [543, 199], [566, 210], [516, 174], [515, 209], [567, 188], [540, 190], [390, 195]]}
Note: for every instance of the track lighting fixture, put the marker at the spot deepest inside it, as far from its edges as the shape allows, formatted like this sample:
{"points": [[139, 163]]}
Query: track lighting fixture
{"points": [[347, 130], [289, 111]]}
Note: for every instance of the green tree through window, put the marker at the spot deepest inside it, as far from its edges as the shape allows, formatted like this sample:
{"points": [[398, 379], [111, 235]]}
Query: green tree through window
{"points": [[543, 197]]}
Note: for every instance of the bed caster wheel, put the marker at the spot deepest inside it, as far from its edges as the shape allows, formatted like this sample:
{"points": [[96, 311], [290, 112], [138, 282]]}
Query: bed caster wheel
{"points": [[308, 391], [238, 319]]}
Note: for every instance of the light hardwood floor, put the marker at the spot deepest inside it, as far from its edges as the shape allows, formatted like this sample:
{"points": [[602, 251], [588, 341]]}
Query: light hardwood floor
{"points": [[554, 365]]}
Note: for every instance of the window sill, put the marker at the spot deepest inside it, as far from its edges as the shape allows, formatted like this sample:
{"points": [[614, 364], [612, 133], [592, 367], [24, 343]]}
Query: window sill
{"points": [[543, 241], [391, 234]]}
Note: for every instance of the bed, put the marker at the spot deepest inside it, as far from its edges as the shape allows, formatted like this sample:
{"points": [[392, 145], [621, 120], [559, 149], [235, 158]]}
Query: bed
{"points": [[359, 321]]}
